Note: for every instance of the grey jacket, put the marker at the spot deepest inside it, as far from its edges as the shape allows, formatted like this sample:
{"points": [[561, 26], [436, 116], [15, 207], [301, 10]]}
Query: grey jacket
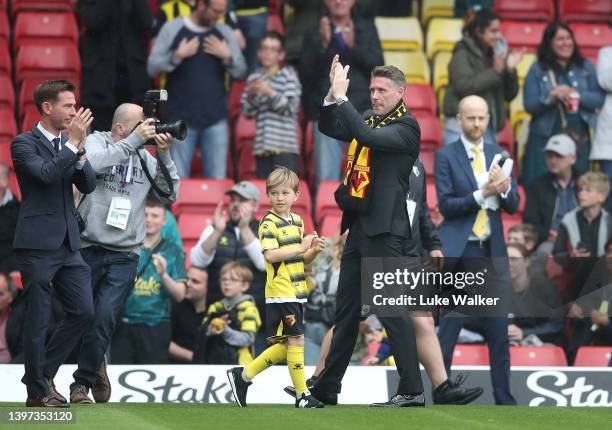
{"points": [[602, 143], [110, 160]]}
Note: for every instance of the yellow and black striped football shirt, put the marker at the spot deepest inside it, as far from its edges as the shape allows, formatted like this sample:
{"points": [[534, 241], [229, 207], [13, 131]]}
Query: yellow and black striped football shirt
{"points": [[285, 280]]}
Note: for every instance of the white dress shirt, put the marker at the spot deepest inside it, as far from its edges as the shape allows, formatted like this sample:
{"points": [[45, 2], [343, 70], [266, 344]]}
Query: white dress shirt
{"points": [[50, 136]]}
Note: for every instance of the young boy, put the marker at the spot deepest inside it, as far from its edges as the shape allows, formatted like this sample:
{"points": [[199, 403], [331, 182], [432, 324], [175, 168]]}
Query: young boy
{"points": [[285, 250], [228, 330], [524, 234], [272, 97], [585, 230]]}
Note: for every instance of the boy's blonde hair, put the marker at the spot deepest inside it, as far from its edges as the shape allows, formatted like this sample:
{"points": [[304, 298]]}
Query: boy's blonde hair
{"points": [[282, 175], [238, 269], [595, 181]]}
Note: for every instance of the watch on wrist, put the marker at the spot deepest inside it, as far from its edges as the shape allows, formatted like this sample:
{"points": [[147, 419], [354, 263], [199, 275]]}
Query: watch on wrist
{"points": [[341, 100], [81, 152]]}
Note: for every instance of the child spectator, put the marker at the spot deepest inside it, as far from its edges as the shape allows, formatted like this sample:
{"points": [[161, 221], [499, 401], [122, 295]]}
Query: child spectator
{"points": [[272, 97], [228, 330]]}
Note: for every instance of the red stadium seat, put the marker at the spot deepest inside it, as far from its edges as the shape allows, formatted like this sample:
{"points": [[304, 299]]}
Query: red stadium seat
{"points": [[245, 163], [7, 94], [505, 139], [43, 5], [330, 226], [593, 356], [432, 196], [8, 127], [201, 196], [234, 100], [16, 277], [325, 202], [537, 356], [5, 153], [42, 28], [47, 61], [541, 10], [470, 355], [591, 37], [30, 117], [521, 35], [275, 23], [428, 159], [510, 220], [420, 99], [4, 27], [431, 133], [522, 199], [275, 7], [5, 60], [585, 10], [191, 225], [244, 132]]}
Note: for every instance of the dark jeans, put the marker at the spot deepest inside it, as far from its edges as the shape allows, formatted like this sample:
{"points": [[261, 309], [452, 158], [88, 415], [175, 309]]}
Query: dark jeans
{"points": [[495, 332], [141, 344], [112, 276], [71, 280], [348, 312], [265, 165]]}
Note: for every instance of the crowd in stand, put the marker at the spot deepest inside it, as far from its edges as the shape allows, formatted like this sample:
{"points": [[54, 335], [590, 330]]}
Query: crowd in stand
{"points": [[212, 312]]}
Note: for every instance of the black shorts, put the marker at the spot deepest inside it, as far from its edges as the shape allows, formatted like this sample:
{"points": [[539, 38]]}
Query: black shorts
{"points": [[284, 319]]}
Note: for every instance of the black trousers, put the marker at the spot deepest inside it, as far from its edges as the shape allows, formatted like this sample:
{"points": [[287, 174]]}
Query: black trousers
{"points": [[141, 344], [265, 165], [71, 279], [348, 311], [495, 331]]}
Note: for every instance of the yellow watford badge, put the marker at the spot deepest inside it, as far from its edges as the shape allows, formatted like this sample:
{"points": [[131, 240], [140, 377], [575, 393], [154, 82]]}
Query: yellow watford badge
{"points": [[290, 320], [224, 241]]}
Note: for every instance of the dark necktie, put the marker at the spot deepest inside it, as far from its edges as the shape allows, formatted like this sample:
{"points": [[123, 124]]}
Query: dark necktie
{"points": [[56, 144]]}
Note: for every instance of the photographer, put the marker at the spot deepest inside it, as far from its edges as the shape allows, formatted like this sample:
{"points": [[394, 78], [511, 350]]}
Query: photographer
{"points": [[114, 231]]}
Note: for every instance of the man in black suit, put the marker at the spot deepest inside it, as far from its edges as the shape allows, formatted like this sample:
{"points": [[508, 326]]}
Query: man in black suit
{"points": [[373, 199], [47, 235]]}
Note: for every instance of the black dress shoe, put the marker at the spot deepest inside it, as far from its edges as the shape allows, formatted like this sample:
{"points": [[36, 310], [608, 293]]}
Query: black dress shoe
{"points": [[402, 401], [327, 397], [290, 389], [451, 393], [45, 402]]}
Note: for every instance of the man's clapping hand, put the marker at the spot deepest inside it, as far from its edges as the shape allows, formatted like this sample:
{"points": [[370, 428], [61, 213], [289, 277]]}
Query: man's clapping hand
{"points": [[78, 127]]}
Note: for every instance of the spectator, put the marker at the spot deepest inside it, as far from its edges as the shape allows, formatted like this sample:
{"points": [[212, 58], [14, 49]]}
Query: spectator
{"points": [[9, 209], [481, 65], [252, 16], [560, 79], [113, 56], [186, 49], [319, 310], [602, 143], [306, 14], [462, 7], [171, 9], [272, 96], [525, 235], [553, 194], [8, 292], [227, 335], [472, 196], [585, 230], [143, 336], [187, 316], [535, 306], [233, 239], [356, 41]]}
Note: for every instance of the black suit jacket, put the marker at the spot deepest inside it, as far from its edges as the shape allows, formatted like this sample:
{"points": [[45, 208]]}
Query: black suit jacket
{"points": [[45, 178], [393, 150]]}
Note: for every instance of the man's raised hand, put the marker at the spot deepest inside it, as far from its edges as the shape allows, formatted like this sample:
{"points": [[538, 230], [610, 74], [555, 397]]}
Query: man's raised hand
{"points": [[78, 127]]}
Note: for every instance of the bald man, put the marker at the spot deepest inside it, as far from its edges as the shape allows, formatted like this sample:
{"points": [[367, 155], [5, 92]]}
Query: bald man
{"points": [[471, 194], [114, 232]]}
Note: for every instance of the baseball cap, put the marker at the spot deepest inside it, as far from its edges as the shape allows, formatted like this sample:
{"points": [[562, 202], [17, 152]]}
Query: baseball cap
{"points": [[245, 189], [562, 144]]}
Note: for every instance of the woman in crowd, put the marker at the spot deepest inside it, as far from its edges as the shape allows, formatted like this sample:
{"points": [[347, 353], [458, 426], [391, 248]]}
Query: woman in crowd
{"points": [[562, 95], [602, 143], [481, 65]]}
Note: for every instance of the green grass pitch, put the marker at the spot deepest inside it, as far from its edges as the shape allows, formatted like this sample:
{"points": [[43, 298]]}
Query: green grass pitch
{"points": [[134, 416]]}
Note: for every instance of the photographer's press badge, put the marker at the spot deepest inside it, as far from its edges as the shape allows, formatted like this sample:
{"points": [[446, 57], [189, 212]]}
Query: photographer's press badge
{"points": [[119, 212]]}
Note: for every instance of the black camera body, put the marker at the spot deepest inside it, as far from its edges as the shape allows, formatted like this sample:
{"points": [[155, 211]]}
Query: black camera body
{"points": [[152, 101]]}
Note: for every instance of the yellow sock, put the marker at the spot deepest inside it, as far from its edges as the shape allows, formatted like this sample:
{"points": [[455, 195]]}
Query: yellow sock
{"points": [[274, 354], [295, 363]]}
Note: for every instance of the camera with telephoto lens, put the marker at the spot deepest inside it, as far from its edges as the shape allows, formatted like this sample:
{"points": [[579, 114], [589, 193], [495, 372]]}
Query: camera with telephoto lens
{"points": [[152, 101]]}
